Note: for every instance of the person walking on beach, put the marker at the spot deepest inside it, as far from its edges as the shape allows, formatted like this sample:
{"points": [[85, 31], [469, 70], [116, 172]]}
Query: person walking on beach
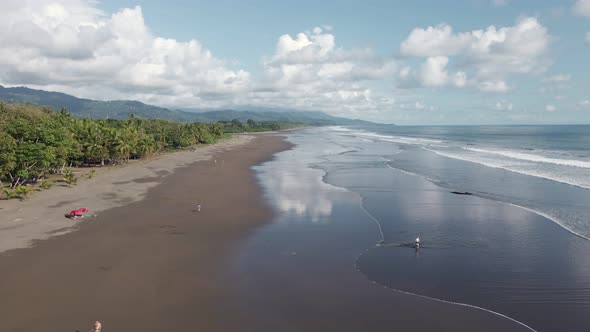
{"points": [[198, 207], [97, 327]]}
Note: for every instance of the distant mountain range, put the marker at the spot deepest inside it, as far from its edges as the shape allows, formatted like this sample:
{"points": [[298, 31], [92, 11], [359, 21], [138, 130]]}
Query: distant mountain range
{"points": [[121, 109]]}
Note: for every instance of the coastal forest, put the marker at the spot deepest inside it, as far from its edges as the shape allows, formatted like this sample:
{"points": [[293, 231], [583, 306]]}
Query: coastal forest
{"points": [[37, 141]]}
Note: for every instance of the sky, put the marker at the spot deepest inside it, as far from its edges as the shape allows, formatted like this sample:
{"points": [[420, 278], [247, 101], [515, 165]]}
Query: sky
{"points": [[402, 62]]}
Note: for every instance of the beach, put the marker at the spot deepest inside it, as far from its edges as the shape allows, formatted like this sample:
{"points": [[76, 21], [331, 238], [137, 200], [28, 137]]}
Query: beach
{"points": [[42, 215], [308, 231], [151, 262], [294, 166]]}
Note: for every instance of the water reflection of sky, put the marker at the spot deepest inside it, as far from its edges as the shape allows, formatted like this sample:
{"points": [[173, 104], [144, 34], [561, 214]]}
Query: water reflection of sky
{"points": [[295, 188]]}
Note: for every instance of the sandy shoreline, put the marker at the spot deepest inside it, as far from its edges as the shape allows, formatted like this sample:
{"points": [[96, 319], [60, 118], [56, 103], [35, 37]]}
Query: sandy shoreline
{"points": [[42, 215], [151, 265]]}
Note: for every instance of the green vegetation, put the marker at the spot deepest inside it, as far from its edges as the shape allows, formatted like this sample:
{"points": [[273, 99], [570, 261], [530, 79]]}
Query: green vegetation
{"points": [[69, 177], [45, 184], [37, 141], [21, 192], [235, 126], [9, 193]]}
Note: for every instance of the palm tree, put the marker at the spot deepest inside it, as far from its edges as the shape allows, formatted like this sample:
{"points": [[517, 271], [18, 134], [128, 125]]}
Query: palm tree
{"points": [[119, 145], [146, 146], [94, 141], [217, 129]]}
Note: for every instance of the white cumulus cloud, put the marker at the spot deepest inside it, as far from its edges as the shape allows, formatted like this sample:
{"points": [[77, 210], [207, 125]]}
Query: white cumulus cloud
{"points": [[309, 71], [550, 108], [434, 41], [491, 55], [74, 47], [433, 71], [582, 8]]}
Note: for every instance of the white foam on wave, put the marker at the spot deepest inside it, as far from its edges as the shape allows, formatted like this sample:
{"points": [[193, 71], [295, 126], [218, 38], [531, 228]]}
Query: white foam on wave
{"points": [[340, 128], [543, 165], [529, 169], [514, 161], [552, 218], [393, 139], [534, 157]]}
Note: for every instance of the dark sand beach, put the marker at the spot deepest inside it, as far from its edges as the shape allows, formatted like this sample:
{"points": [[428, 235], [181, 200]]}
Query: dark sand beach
{"points": [[152, 265], [280, 259]]}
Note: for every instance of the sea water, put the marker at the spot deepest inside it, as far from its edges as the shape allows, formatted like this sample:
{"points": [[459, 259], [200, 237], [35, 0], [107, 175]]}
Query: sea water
{"points": [[352, 200], [528, 163]]}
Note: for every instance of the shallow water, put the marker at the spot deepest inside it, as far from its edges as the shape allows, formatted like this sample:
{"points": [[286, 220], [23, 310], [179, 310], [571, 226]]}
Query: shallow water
{"points": [[348, 206]]}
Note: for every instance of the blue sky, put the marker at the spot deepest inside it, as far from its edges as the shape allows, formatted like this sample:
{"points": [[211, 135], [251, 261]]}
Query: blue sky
{"points": [[405, 62]]}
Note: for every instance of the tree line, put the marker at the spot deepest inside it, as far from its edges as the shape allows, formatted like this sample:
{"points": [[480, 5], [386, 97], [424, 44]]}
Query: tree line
{"points": [[36, 141], [236, 126]]}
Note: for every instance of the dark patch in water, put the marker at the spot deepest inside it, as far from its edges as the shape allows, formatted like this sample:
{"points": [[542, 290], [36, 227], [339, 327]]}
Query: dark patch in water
{"points": [[461, 193]]}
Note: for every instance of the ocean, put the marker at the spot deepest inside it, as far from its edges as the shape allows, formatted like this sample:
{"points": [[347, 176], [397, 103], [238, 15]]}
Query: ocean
{"points": [[560, 154], [349, 202]]}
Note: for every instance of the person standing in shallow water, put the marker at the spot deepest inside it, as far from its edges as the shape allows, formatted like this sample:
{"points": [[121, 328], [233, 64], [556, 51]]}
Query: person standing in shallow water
{"points": [[418, 241]]}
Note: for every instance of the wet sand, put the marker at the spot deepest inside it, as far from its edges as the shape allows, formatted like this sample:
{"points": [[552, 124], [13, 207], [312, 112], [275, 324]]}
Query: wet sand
{"points": [[152, 265]]}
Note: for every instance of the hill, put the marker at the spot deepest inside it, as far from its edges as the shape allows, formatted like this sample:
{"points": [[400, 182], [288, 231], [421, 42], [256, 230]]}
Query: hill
{"points": [[121, 109]]}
